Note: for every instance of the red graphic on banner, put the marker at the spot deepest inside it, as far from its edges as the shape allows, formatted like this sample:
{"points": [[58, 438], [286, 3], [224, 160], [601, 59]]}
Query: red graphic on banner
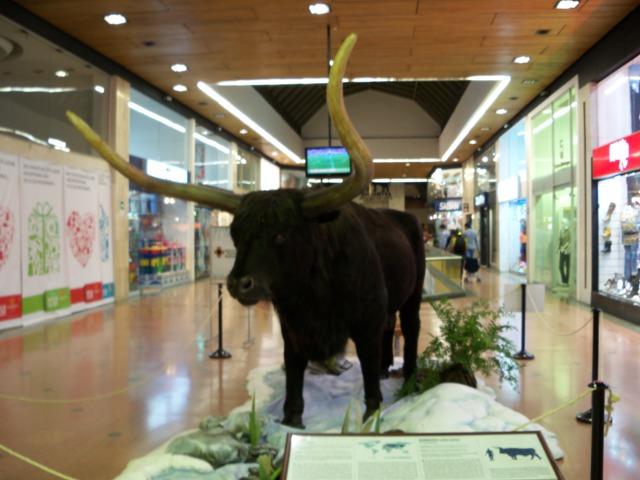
{"points": [[10, 307], [619, 156], [82, 233], [7, 228]]}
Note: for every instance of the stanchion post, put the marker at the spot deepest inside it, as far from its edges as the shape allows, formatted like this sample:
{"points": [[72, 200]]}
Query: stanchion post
{"points": [[597, 430], [523, 354], [585, 417], [220, 353]]}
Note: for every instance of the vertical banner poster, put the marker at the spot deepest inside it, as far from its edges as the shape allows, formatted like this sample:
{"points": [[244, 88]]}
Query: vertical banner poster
{"points": [[45, 292], [81, 237], [10, 286], [105, 237]]}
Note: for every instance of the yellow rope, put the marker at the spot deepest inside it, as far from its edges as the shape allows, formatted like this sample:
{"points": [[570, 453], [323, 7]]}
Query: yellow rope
{"points": [[34, 463], [114, 393], [584, 394]]}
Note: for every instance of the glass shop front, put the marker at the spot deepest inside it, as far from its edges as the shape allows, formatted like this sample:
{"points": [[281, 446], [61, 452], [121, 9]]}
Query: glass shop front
{"points": [[444, 204], [552, 234], [158, 225], [616, 194], [486, 225], [212, 166], [512, 200]]}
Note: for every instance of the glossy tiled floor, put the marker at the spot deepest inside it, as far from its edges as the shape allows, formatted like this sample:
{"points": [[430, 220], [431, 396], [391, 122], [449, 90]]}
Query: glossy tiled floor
{"points": [[157, 346]]}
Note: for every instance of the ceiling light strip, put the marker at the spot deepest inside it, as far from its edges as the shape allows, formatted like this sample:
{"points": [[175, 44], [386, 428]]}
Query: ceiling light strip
{"points": [[233, 110], [406, 160], [498, 88], [399, 180], [211, 143], [158, 118]]}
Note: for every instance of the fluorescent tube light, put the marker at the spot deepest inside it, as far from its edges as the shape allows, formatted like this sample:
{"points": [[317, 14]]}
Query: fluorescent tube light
{"points": [[502, 82], [399, 180], [406, 160], [232, 109], [158, 118], [211, 143]]}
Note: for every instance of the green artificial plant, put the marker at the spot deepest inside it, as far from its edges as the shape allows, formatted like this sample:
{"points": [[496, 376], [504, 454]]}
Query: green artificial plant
{"points": [[471, 341]]}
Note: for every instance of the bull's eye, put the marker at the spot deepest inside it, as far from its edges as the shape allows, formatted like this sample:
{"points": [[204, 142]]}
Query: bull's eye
{"points": [[279, 239]]}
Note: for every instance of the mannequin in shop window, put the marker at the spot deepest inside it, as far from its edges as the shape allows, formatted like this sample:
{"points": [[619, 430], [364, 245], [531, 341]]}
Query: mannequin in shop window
{"points": [[564, 245], [629, 219]]}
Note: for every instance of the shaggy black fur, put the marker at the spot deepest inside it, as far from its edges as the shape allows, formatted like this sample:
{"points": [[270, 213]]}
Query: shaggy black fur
{"points": [[343, 275]]}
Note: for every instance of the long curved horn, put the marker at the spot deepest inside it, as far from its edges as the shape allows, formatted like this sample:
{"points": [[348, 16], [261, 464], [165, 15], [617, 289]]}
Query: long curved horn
{"points": [[326, 199], [210, 196]]}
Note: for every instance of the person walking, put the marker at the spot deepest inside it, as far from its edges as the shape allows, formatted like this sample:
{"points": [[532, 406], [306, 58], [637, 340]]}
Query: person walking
{"points": [[443, 236], [472, 246]]}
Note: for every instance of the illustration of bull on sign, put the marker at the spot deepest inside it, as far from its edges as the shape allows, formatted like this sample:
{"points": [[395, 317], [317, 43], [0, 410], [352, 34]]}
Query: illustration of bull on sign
{"points": [[514, 453]]}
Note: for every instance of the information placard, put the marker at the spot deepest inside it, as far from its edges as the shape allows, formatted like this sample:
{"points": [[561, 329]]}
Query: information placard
{"points": [[438, 456]]}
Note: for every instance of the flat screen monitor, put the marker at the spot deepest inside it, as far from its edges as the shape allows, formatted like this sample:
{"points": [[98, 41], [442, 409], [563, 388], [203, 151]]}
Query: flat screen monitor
{"points": [[327, 162]]}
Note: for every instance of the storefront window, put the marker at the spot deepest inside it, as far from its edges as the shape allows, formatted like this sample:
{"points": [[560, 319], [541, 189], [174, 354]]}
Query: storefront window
{"points": [[158, 225], [248, 169], [553, 236], [618, 109], [39, 82], [486, 171], [212, 166], [511, 196], [293, 178]]}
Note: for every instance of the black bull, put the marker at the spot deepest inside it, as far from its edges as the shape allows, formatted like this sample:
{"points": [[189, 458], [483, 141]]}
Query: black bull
{"points": [[342, 275], [333, 269]]}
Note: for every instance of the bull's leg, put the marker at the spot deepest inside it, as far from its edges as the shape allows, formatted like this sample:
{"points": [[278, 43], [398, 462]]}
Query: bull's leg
{"points": [[410, 324], [368, 348], [294, 366], [387, 347]]}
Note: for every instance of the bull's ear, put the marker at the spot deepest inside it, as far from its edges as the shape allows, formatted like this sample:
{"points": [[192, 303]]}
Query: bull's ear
{"points": [[325, 217]]}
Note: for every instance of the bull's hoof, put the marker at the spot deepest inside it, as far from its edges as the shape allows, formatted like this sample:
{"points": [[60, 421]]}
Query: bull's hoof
{"points": [[294, 421]]}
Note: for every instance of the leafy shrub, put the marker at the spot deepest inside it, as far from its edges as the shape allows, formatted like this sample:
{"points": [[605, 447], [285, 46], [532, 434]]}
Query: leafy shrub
{"points": [[471, 340]]}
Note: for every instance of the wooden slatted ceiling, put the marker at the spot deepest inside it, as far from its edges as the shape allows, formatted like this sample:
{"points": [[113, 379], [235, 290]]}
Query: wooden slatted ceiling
{"points": [[233, 39]]}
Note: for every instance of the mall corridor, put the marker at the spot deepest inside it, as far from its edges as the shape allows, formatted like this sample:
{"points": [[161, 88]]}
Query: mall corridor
{"points": [[86, 394]]}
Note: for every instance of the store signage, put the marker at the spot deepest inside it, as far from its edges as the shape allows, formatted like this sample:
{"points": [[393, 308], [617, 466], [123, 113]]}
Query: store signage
{"points": [[480, 200], [620, 156], [449, 205], [166, 171], [508, 189]]}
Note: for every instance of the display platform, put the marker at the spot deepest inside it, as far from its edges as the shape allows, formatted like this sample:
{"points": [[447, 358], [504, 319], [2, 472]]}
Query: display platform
{"points": [[448, 407]]}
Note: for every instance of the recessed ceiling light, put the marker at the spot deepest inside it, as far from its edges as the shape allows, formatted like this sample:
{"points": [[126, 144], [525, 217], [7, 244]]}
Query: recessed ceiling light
{"points": [[455, 160], [99, 88], [501, 111], [472, 141], [484, 129], [274, 153], [485, 159], [179, 88], [61, 73], [115, 19], [567, 4], [179, 67], [522, 59], [529, 81], [319, 9], [243, 131]]}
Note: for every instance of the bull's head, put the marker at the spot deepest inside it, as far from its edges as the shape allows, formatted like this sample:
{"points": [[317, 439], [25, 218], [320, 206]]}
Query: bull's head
{"points": [[268, 227]]}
